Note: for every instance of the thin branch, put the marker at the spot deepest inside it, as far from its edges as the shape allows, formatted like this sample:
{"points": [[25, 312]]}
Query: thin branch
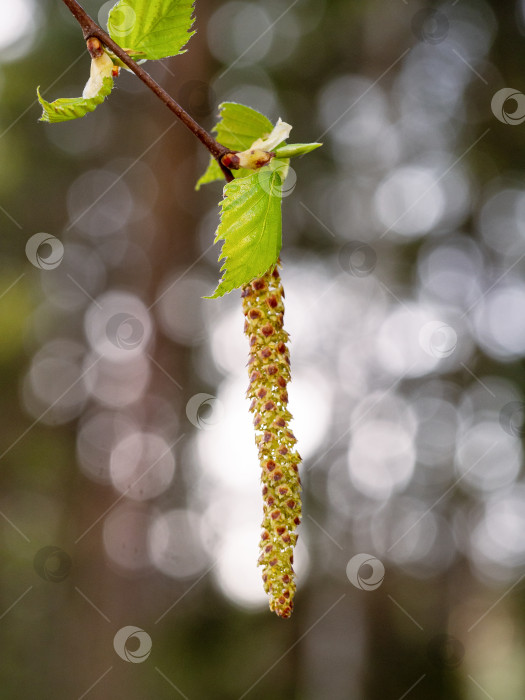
{"points": [[91, 29]]}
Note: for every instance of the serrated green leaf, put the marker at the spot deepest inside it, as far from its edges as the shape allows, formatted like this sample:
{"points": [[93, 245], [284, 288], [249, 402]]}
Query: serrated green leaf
{"points": [[67, 108], [239, 126], [152, 29], [295, 149], [251, 228]]}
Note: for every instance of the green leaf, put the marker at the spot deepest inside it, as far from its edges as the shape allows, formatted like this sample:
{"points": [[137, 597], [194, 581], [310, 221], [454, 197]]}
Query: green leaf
{"points": [[238, 128], [295, 149], [213, 172], [251, 228], [151, 29], [67, 108]]}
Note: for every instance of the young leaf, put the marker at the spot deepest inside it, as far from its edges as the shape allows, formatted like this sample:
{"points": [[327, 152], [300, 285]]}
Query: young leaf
{"points": [[213, 172], [279, 134], [68, 108], [295, 149], [151, 29], [250, 227], [101, 67], [238, 128]]}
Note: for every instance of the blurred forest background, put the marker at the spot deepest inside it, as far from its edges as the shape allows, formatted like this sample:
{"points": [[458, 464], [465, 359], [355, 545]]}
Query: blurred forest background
{"points": [[129, 480]]}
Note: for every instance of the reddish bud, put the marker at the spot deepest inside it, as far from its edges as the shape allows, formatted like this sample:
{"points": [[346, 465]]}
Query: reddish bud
{"points": [[230, 160]]}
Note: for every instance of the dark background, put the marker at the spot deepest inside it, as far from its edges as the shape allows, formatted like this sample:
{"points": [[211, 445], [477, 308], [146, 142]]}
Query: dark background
{"points": [[125, 501]]}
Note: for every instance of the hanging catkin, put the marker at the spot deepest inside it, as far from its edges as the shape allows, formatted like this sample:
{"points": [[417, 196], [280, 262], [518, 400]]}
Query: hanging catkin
{"points": [[269, 369]]}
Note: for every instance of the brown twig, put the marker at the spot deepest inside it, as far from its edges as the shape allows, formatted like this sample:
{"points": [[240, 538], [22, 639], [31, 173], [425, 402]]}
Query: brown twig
{"points": [[91, 29]]}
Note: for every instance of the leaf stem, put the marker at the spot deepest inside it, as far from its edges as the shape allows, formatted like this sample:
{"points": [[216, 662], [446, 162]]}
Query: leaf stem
{"points": [[91, 29]]}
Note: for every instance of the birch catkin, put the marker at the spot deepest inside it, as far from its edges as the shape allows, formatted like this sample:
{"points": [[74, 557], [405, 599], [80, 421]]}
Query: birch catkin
{"points": [[269, 369]]}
